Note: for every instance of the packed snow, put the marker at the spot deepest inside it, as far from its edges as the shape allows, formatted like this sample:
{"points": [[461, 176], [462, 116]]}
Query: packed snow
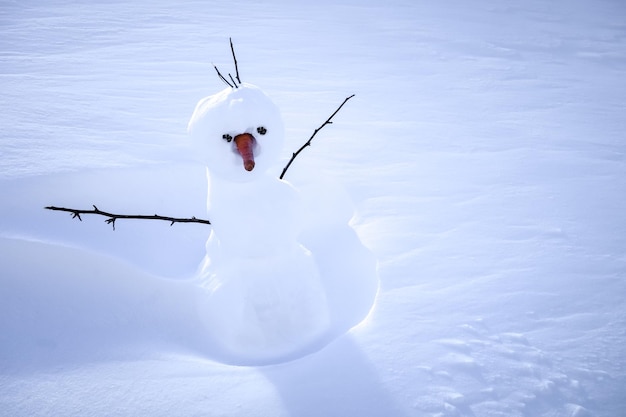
{"points": [[224, 116], [267, 276], [479, 169]]}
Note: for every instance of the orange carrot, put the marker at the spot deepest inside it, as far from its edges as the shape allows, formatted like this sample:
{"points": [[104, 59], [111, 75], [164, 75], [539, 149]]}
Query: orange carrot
{"points": [[245, 144]]}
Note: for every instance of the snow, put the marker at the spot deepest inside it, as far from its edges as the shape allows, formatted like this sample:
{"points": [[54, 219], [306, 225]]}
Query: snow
{"points": [[483, 152], [232, 112], [272, 290]]}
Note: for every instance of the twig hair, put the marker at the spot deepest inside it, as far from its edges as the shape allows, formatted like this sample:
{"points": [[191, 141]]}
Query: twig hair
{"points": [[232, 83]]}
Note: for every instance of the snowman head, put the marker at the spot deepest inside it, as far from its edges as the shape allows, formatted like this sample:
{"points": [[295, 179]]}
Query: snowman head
{"points": [[237, 133]]}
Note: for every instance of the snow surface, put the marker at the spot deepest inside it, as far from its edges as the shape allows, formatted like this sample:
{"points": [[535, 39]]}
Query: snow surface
{"points": [[484, 152]]}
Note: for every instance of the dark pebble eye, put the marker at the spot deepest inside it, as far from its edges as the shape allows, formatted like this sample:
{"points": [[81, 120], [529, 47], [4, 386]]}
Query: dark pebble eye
{"points": [[261, 130], [227, 137]]}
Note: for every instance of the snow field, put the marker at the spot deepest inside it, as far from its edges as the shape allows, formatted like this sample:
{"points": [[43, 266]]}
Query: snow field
{"points": [[483, 151]]}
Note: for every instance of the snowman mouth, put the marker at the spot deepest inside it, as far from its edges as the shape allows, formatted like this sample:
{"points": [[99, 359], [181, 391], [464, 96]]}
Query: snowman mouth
{"points": [[245, 146]]}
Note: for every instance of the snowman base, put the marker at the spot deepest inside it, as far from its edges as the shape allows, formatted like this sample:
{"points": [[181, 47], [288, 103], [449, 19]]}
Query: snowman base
{"points": [[263, 310]]}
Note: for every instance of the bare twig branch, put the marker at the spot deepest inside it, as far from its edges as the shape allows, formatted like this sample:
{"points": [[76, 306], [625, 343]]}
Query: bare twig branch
{"points": [[222, 77], [231, 78], [113, 217], [232, 49], [308, 142]]}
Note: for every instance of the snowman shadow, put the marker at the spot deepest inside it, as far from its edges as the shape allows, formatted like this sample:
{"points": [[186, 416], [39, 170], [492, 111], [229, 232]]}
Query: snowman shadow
{"points": [[339, 380]]}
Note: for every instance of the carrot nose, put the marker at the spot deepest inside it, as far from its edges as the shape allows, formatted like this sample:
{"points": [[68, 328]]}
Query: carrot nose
{"points": [[245, 143]]}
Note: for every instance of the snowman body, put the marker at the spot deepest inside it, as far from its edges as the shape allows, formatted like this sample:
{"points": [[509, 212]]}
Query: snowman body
{"points": [[262, 295]]}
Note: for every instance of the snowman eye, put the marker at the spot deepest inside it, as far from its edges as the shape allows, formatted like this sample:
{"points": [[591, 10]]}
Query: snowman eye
{"points": [[261, 130], [227, 137]]}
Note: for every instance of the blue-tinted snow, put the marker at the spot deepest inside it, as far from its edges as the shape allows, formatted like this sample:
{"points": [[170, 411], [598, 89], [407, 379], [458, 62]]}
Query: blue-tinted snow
{"points": [[483, 149]]}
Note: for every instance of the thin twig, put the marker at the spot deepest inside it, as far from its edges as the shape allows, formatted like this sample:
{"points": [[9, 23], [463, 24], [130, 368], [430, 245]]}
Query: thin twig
{"points": [[308, 142], [222, 77], [113, 217], [232, 48], [231, 78]]}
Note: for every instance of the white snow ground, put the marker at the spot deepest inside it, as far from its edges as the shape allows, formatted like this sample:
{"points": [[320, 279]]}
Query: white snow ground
{"points": [[484, 150]]}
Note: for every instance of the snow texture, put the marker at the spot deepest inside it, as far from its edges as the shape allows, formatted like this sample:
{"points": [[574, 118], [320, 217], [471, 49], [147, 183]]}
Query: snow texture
{"points": [[483, 154]]}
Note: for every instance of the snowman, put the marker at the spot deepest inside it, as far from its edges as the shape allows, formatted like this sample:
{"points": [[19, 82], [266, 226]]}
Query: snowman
{"points": [[273, 286]]}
